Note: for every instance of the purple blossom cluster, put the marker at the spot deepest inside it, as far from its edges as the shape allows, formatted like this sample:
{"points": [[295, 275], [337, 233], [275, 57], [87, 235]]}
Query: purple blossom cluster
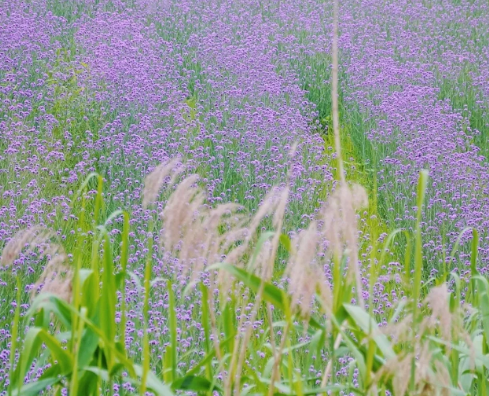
{"points": [[395, 57], [118, 87]]}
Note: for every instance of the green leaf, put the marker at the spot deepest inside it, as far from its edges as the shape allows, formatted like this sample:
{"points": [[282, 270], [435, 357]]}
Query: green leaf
{"points": [[108, 298], [263, 238], [398, 311], [153, 383], [112, 216], [63, 357], [229, 321], [286, 243], [109, 345], [90, 287], [88, 383], [33, 341], [483, 303], [368, 325], [317, 341], [51, 303], [332, 388], [88, 345], [285, 390], [271, 293], [484, 359], [84, 185], [245, 391], [354, 350], [194, 383], [209, 356], [173, 330], [34, 388]]}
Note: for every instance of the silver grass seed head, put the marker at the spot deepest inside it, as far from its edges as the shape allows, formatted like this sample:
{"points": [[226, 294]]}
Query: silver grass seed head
{"points": [[32, 238], [155, 180], [56, 278]]}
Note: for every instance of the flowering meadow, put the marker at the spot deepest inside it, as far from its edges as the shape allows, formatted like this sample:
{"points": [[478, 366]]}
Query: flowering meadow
{"points": [[244, 197]]}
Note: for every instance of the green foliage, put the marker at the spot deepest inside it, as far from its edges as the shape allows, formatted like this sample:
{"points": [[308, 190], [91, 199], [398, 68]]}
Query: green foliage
{"points": [[95, 352], [87, 354]]}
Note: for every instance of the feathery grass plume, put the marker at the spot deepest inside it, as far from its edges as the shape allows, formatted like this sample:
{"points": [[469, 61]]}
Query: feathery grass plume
{"points": [[277, 222], [431, 375], [438, 301], [200, 235], [237, 242], [304, 274], [266, 207], [279, 212], [262, 264], [399, 331], [340, 227], [57, 275], [195, 232], [449, 324], [180, 211], [33, 237], [154, 181], [56, 278], [275, 205]]}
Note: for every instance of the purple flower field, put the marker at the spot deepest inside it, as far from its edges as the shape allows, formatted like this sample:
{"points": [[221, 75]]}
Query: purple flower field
{"points": [[240, 93]]}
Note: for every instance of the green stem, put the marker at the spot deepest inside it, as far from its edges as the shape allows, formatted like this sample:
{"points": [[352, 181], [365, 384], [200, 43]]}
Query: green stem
{"points": [[173, 330], [418, 267], [13, 343], [147, 286], [74, 376], [205, 325], [124, 259]]}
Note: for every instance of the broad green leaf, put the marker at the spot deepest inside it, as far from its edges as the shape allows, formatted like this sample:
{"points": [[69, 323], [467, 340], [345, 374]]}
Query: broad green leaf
{"points": [[90, 285], [248, 389], [51, 303], [359, 357], [35, 388], [263, 238], [33, 341], [108, 298], [83, 186], [483, 303], [88, 382], [368, 325], [62, 356], [153, 383], [88, 345], [271, 293], [194, 383], [484, 359], [286, 243], [112, 216], [108, 344], [229, 321], [398, 311], [208, 357]]}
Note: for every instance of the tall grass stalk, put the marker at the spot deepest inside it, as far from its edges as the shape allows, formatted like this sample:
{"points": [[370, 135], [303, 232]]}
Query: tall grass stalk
{"points": [[147, 289], [418, 263], [336, 128], [13, 344]]}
